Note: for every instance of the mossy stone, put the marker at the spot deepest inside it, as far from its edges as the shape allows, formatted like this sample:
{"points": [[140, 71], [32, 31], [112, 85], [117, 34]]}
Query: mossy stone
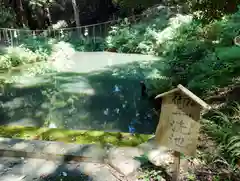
{"points": [[95, 133], [78, 136], [110, 139]]}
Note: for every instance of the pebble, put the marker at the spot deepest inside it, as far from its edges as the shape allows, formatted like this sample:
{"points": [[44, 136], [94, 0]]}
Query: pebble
{"points": [[106, 111], [64, 174]]}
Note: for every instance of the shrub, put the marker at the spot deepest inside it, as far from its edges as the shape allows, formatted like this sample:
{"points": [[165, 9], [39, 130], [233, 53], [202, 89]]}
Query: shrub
{"points": [[15, 56], [208, 10], [203, 57], [87, 44], [8, 17], [38, 44], [224, 128], [149, 35]]}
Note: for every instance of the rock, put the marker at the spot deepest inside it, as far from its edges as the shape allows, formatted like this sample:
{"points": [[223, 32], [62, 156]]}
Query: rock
{"points": [[160, 157], [122, 159], [148, 146], [157, 155], [96, 172]]}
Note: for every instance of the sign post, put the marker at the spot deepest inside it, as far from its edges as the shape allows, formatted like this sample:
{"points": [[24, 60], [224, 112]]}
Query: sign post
{"points": [[176, 155], [179, 125]]}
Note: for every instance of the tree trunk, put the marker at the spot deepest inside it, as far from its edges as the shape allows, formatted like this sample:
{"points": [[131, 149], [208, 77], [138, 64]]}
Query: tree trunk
{"points": [[22, 14], [49, 16], [76, 15]]}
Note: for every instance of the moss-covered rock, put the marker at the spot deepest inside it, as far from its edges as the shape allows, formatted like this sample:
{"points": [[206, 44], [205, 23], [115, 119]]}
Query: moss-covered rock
{"points": [[73, 136]]}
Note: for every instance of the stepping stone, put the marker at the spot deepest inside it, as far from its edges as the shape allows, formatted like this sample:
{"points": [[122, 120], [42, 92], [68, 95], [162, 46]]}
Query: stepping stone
{"points": [[123, 159], [160, 157], [157, 155], [92, 152], [98, 172]]}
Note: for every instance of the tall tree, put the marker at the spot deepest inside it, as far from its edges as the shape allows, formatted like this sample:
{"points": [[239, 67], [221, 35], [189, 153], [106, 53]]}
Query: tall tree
{"points": [[17, 6], [76, 14], [22, 13]]}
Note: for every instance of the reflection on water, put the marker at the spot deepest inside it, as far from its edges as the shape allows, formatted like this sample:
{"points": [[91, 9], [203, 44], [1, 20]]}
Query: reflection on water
{"points": [[99, 101]]}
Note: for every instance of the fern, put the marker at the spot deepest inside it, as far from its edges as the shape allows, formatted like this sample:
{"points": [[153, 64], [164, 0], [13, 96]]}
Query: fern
{"points": [[222, 127], [234, 143]]}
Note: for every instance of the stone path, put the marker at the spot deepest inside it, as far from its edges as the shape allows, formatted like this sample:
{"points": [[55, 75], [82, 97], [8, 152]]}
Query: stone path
{"points": [[32, 169], [98, 162]]}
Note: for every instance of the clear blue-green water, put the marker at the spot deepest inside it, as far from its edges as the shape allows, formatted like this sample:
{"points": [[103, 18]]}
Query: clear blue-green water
{"points": [[105, 99]]}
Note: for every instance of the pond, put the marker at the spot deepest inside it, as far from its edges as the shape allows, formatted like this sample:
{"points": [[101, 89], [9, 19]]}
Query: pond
{"points": [[86, 95]]}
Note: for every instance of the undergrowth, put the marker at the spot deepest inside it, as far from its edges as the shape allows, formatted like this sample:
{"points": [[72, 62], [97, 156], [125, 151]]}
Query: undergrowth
{"points": [[224, 127], [201, 56], [15, 56], [34, 48]]}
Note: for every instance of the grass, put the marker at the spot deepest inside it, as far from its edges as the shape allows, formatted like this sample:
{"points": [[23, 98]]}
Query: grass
{"points": [[73, 136]]}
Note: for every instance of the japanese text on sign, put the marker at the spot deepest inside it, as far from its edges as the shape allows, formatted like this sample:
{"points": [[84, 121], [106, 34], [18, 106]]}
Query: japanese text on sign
{"points": [[177, 129]]}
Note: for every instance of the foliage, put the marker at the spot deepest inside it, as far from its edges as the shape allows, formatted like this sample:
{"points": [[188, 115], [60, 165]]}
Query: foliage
{"points": [[149, 172], [224, 128], [15, 56], [36, 48], [87, 44], [38, 44], [40, 3], [73, 136], [148, 35], [8, 17], [198, 55], [203, 57], [208, 10], [214, 8], [127, 6]]}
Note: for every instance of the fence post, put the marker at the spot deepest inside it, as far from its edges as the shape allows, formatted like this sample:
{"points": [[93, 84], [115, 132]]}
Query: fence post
{"points": [[94, 40], [11, 37], [100, 30]]}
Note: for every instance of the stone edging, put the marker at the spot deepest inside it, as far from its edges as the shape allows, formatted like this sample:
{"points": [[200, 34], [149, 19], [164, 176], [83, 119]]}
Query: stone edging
{"points": [[49, 150]]}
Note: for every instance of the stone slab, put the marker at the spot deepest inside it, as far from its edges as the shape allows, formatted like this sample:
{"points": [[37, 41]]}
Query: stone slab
{"points": [[124, 159], [50, 150], [29, 169]]}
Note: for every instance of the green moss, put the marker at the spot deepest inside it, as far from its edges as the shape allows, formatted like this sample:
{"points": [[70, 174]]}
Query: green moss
{"points": [[95, 133], [110, 139], [73, 136], [130, 141], [84, 140]]}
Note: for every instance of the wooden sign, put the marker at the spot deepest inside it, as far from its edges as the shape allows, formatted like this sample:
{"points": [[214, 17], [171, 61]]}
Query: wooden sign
{"points": [[179, 125]]}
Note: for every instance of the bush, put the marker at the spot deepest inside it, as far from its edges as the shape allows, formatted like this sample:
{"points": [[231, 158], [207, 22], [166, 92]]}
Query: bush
{"points": [[198, 55], [208, 10], [8, 17], [149, 35], [38, 44], [87, 44], [203, 57], [126, 7], [15, 56], [224, 128]]}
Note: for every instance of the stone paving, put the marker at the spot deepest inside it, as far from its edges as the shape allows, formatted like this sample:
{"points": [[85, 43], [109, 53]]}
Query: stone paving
{"points": [[35, 158], [32, 169]]}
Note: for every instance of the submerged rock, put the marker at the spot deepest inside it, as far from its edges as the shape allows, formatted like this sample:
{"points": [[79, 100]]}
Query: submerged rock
{"points": [[52, 125]]}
